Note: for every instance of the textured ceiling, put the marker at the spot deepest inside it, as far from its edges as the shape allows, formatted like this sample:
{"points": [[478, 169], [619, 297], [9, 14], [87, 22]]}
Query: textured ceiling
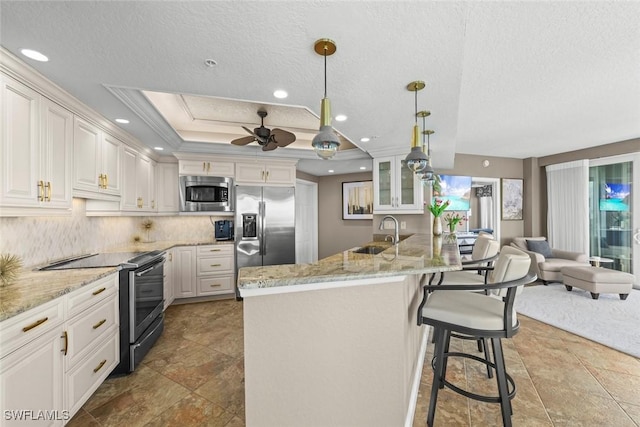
{"points": [[512, 79]]}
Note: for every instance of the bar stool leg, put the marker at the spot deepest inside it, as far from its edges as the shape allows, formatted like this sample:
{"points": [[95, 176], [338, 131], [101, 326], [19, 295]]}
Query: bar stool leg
{"points": [[505, 404], [447, 342], [438, 352], [487, 356]]}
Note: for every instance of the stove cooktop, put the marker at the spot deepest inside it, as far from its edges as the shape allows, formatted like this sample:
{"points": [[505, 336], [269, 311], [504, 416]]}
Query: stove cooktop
{"points": [[109, 259]]}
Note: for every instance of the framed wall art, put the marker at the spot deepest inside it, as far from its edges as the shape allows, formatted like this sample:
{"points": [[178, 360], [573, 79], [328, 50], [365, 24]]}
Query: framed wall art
{"points": [[357, 200], [512, 199]]}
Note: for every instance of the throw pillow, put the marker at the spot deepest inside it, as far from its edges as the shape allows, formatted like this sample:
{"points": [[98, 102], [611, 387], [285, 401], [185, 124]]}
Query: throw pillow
{"points": [[540, 246]]}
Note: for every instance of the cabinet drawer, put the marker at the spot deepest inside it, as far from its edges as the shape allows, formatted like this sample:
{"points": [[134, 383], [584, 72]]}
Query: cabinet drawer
{"points": [[19, 330], [85, 378], [91, 294], [87, 328], [215, 250], [212, 265], [215, 285]]}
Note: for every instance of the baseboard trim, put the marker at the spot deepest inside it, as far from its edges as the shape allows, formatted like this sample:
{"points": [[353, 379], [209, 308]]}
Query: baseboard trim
{"points": [[417, 374]]}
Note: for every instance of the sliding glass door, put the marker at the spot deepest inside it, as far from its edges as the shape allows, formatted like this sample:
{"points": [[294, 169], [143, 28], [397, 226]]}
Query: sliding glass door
{"points": [[614, 218]]}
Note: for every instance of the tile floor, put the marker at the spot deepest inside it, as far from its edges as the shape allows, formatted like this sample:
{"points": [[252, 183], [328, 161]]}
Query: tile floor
{"points": [[194, 377]]}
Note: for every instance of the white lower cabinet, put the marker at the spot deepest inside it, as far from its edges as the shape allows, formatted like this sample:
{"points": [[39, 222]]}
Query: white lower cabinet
{"points": [[31, 381], [168, 279], [53, 357], [215, 269], [184, 271], [204, 270]]}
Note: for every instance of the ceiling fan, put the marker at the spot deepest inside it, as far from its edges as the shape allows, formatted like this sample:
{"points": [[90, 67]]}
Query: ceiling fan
{"points": [[269, 139]]}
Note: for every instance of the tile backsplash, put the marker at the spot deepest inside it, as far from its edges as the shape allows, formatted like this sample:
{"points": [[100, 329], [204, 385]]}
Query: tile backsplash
{"points": [[37, 240]]}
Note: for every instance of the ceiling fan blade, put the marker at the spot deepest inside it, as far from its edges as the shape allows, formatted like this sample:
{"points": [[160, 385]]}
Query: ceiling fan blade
{"points": [[282, 137], [250, 131], [244, 140], [271, 145]]}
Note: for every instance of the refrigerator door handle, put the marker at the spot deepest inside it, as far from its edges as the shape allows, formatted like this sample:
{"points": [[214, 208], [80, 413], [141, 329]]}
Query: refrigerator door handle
{"points": [[263, 235], [260, 228]]}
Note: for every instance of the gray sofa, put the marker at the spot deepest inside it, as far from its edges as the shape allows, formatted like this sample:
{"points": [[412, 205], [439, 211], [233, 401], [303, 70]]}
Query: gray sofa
{"points": [[549, 269]]}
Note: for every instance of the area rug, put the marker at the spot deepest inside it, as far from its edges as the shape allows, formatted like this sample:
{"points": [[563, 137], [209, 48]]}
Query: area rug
{"points": [[607, 320]]}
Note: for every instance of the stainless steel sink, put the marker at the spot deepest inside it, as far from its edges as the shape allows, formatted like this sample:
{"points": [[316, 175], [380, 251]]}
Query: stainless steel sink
{"points": [[370, 250]]}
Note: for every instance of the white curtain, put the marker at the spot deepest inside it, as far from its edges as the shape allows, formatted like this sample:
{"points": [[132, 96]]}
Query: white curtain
{"points": [[568, 206], [486, 212]]}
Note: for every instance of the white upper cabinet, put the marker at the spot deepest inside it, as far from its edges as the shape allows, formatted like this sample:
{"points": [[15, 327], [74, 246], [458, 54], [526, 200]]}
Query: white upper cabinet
{"points": [[396, 188], [265, 173], [207, 168], [57, 146], [97, 162], [35, 146], [167, 190], [138, 193]]}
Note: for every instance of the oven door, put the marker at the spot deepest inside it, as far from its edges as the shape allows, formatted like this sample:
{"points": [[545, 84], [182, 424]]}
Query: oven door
{"points": [[145, 297]]}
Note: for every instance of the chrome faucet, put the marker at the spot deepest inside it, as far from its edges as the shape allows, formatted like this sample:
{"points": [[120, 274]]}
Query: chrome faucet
{"points": [[396, 236]]}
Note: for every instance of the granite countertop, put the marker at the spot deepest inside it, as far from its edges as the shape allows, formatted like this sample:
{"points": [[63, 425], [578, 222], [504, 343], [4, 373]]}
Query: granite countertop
{"points": [[418, 254], [34, 288]]}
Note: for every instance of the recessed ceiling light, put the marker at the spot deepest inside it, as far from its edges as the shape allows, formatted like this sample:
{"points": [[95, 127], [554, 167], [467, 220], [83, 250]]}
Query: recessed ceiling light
{"points": [[331, 170], [365, 139], [341, 118], [158, 148], [123, 121], [210, 63], [363, 168], [280, 94], [34, 54]]}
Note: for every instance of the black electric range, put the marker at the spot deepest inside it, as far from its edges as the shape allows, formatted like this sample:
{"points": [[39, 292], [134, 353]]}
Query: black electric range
{"points": [[107, 259], [141, 299]]}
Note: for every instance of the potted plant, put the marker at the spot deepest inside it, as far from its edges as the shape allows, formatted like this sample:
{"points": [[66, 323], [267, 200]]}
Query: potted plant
{"points": [[437, 207]]}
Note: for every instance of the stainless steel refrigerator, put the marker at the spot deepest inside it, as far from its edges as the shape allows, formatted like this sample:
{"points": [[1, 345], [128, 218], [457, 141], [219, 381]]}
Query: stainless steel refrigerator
{"points": [[265, 226]]}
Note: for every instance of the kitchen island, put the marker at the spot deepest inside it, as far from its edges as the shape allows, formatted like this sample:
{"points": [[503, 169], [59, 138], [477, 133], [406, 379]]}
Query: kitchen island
{"points": [[336, 342]]}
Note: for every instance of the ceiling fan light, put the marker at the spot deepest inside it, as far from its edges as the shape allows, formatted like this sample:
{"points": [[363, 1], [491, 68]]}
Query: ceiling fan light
{"points": [[326, 142]]}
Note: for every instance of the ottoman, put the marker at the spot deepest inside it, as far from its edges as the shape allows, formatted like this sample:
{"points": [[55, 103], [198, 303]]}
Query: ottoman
{"points": [[598, 280]]}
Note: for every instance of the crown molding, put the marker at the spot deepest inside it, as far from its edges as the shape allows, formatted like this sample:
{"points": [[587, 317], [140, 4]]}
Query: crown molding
{"points": [[15, 68]]}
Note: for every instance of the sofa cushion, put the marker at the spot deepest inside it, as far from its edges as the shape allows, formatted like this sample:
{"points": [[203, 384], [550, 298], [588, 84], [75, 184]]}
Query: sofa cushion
{"points": [[540, 246], [521, 242], [597, 274], [556, 264]]}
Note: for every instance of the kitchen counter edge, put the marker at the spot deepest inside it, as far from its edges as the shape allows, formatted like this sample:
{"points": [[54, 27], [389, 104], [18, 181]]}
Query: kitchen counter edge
{"points": [[418, 254], [34, 288]]}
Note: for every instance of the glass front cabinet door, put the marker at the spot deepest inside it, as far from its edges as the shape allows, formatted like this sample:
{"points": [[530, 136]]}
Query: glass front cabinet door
{"points": [[396, 188]]}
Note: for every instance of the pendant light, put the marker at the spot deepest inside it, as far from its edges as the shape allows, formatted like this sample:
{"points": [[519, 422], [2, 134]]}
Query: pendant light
{"points": [[428, 173], [326, 142], [416, 160]]}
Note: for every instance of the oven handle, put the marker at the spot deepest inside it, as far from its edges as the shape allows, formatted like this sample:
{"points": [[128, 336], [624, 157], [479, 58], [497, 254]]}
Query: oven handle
{"points": [[153, 267]]}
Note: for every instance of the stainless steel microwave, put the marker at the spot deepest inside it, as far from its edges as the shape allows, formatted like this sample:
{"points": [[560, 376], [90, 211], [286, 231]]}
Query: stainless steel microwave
{"points": [[206, 194]]}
